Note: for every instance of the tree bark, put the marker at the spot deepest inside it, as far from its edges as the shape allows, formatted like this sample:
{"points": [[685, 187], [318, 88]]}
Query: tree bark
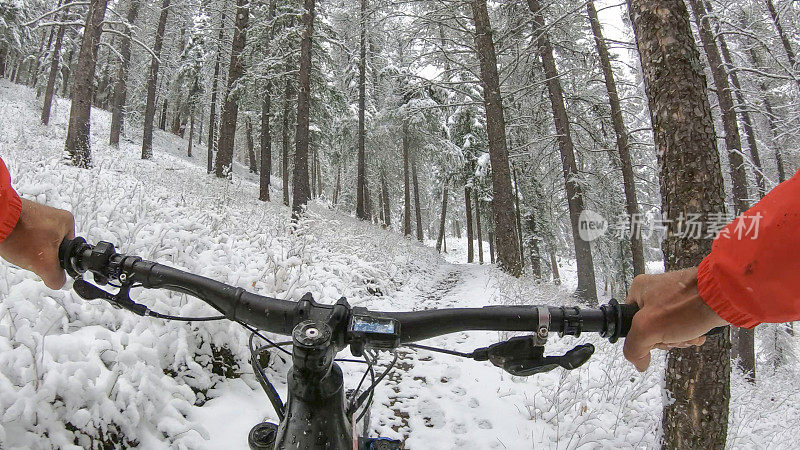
{"points": [[698, 379], [387, 211], [251, 150], [3, 59], [417, 207], [300, 193], [533, 245], [53, 76], [121, 85], [587, 288], [212, 118], [442, 220], [361, 176], [191, 136], [152, 82], [162, 123], [287, 94], [478, 228], [77, 144], [266, 146], [508, 252], [406, 182], [518, 216], [623, 147], [468, 209], [223, 166]]}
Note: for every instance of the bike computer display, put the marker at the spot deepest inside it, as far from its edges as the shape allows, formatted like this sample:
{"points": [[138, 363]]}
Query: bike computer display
{"points": [[374, 332]]}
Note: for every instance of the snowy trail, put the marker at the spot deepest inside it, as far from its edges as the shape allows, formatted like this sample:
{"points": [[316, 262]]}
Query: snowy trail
{"points": [[72, 371]]}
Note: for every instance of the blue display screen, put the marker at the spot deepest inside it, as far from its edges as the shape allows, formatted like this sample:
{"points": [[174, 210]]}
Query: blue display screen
{"points": [[373, 325]]}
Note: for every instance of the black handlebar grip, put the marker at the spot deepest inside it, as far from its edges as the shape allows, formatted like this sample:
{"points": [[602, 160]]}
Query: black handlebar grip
{"points": [[63, 253], [68, 251], [628, 311]]}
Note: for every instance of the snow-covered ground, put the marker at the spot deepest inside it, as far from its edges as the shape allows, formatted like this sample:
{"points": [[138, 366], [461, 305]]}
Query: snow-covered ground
{"points": [[77, 372]]}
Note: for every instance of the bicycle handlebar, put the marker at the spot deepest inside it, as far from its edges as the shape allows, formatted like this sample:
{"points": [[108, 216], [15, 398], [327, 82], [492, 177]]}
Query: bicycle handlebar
{"points": [[612, 320]]}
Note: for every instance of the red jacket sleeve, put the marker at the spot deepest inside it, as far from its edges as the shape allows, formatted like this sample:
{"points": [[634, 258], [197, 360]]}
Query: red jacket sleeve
{"points": [[752, 274], [10, 204]]}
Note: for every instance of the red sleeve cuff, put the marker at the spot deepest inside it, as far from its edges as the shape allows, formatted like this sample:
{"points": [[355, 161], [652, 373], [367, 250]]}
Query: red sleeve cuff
{"points": [[12, 210], [711, 292]]}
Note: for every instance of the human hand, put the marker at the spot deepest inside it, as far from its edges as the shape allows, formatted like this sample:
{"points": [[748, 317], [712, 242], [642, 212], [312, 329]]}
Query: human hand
{"points": [[671, 315], [33, 243]]}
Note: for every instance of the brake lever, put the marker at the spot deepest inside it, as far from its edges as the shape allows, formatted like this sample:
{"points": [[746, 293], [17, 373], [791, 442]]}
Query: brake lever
{"points": [[570, 360], [121, 299], [524, 356]]}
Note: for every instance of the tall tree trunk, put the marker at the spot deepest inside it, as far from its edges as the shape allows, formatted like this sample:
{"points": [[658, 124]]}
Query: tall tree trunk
{"points": [[623, 147], [251, 149], [478, 233], [121, 85], [212, 118], [162, 123], [533, 245], [77, 144], [387, 211], [744, 348], [191, 136], [3, 58], [417, 207], [518, 216], [287, 94], [587, 288], [152, 82], [508, 252], [406, 182], [361, 176], [787, 46], [300, 192], [443, 219], [53, 76], [266, 147], [698, 379], [491, 246], [338, 186], [470, 234], [223, 165]]}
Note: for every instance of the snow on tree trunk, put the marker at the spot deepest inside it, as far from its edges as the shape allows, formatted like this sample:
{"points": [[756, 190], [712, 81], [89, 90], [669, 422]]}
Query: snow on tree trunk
{"points": [[443, 220], [266, 146], [152, 82], [508, 252], [121, 85], [53, 76], [361, 176], [587, 288], [621, 133], [468, 209], [300, 183], [287, 95], [77, 144], [698, 379], [223, 165], [212, 118]]}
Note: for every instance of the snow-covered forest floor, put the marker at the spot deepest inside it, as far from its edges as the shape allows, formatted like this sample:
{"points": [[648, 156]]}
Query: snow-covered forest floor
{"points": [[76, 371]]}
